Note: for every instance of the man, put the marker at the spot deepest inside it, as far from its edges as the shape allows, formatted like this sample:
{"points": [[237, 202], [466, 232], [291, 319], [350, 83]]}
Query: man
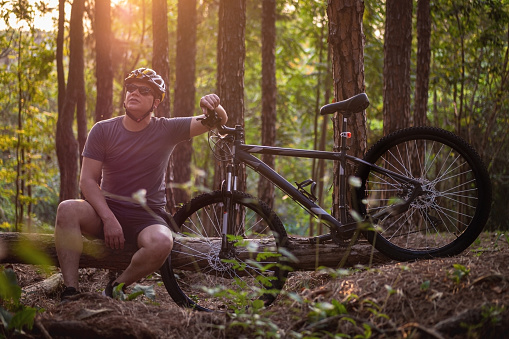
{"points": [[128, 154]]}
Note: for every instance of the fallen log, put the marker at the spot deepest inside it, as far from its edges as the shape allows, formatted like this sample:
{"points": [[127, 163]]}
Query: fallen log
{"points": [[48, 286], [15, 247]]}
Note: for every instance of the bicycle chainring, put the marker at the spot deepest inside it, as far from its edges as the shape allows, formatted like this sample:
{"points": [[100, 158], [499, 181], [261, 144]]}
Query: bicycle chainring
{"points": [[343, 236]]}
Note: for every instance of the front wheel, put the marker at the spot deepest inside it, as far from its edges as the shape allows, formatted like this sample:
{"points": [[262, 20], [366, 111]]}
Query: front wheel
{"points": [[441, 220], [204, 276]]}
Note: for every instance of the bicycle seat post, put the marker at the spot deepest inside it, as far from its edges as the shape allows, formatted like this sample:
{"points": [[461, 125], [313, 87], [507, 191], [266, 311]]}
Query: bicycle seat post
{"points": [[343, 148]]}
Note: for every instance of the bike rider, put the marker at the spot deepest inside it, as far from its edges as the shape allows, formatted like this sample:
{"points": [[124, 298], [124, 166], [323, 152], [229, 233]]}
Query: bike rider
{"points": [[127, 154]]}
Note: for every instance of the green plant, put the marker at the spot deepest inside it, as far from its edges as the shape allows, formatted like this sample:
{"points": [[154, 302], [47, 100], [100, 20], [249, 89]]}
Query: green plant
{"points": [[322, 310], [458, 273], [491, 316], [425, 285], [137, 290], [14, 316]]}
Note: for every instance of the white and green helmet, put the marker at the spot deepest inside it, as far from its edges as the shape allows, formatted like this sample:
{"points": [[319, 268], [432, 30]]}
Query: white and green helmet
{"points": [[149, 76]]}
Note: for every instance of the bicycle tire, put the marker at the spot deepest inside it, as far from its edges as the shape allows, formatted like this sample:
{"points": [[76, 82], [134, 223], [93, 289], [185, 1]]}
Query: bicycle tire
{"points": [[444, 221], [205, 281]]}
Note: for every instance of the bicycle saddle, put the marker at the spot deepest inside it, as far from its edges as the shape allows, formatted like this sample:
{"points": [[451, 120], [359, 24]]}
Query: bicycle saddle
{"points": [[355, 104]]}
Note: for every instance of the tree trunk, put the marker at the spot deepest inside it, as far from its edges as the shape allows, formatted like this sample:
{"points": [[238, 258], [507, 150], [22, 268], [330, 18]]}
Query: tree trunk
{"points": [[161, 64], [60, 55], [231, 53], [346, 39], [160, 51], [269, 95], [397, 52], [66, 144], [95, 252], [81, 105], [184, 101], [323, 87], [423, 63], [104, 67], [20, 149]]}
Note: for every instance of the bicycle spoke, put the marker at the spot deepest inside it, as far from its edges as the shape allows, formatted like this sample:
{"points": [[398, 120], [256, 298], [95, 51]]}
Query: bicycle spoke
{"points": [[412, 223], [246, 265]]}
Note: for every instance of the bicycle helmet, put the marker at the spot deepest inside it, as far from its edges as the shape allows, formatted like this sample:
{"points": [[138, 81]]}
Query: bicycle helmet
{"points": [[150, 77]]}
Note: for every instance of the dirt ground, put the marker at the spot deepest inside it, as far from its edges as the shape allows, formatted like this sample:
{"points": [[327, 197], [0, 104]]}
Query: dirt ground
{"points": [[461, 297]]}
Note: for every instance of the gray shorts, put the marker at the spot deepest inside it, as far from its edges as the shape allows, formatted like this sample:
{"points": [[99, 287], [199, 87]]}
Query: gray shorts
{"points": [[135, 218]]}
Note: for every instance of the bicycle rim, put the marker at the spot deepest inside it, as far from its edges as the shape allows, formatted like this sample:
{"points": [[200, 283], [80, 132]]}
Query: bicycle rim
{"points": [[198, 278], [450, 214]]}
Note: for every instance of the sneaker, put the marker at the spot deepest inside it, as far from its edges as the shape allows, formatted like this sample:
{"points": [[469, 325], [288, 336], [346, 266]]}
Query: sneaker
{"points": [[68, 292], [108, 291]]}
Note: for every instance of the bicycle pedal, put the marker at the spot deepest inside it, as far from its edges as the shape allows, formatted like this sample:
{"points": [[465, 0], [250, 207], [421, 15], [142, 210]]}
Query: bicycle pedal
{"points": [[344, 237]]}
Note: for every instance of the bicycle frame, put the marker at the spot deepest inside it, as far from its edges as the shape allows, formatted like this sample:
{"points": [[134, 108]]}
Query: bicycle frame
{"points": [[243, 153]]}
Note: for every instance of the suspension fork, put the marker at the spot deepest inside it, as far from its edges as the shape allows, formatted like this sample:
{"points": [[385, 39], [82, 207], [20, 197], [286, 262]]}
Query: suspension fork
{"points": [[229, 215], [231, 211]]}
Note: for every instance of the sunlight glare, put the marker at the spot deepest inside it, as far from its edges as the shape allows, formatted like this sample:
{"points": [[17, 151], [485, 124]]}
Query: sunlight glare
{"points": [[47, 21], [43, 22]]}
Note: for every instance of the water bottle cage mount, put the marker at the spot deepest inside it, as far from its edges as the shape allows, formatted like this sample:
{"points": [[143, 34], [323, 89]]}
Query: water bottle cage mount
{"points": [[301, 187]]}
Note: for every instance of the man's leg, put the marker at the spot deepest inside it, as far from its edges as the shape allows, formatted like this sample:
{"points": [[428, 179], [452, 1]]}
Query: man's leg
{"points": [[74, 218], [155, 243]]}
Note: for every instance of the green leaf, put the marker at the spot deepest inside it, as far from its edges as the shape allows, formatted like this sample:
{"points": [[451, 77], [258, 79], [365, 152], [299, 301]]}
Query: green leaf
{"points": [[148, 291], [9, 288], [23, 318], [5, 317]]}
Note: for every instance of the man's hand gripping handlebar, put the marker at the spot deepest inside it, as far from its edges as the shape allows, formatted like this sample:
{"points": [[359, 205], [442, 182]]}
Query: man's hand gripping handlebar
{"points": [[215, 118]]}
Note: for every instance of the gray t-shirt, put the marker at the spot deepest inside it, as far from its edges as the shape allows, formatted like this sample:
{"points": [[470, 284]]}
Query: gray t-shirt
{"points": [[136, 160]]}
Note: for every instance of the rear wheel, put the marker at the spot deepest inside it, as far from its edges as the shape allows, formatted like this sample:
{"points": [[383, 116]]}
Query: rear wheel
{"points": [[446, 217], [203, 277]]}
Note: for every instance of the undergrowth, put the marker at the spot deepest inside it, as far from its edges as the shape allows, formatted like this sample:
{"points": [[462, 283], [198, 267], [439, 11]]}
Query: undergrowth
{"points": [[14, 316]]}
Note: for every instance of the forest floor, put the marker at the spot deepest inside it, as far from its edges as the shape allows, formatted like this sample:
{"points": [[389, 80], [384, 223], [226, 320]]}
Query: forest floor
{"points": [[461, 297]]}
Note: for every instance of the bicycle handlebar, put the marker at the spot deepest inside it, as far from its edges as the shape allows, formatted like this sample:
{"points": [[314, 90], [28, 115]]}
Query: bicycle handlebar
{"points": [[214, 117], [225, 129]]}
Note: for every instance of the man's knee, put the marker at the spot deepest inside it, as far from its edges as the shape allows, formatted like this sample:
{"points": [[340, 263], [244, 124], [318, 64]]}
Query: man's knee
{"points": [[73, 214], [157, 238], [164, 242], [66, 210]]}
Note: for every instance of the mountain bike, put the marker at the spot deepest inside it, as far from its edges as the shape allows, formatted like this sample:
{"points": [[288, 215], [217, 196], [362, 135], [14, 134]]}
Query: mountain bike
{"points": [[423, 192]]}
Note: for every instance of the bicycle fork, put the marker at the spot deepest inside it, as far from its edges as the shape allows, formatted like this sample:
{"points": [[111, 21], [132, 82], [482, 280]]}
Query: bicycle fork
{"points": [[229, 215]]}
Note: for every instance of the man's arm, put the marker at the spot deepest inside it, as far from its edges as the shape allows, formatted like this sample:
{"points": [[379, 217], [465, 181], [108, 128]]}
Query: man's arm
{"points": [[90, 174], [210, 101]]}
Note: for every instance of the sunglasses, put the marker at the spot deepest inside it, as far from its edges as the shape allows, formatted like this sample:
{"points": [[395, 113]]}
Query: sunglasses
{"points": [[144, 90]]}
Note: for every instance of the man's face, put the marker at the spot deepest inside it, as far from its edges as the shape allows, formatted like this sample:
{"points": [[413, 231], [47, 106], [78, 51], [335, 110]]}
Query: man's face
{"points": [[138, 99]]}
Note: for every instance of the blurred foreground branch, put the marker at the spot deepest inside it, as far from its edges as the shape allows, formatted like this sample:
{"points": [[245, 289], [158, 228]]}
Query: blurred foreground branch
{"points": [[26, 248]]}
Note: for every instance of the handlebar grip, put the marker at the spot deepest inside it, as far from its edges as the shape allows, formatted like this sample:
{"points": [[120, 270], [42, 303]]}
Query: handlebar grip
{"points": [[215, 118], [222, 113]]}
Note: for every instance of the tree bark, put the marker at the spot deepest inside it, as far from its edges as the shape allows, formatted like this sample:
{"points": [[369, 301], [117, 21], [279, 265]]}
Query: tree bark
{"points": [[346, 39], [397, 52], [97, 255], [66, 145], [161, 64], [104, 67], [231, 54], [60, 55], [160, 51], [423, 63], [269, 95], [184, 101]]}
